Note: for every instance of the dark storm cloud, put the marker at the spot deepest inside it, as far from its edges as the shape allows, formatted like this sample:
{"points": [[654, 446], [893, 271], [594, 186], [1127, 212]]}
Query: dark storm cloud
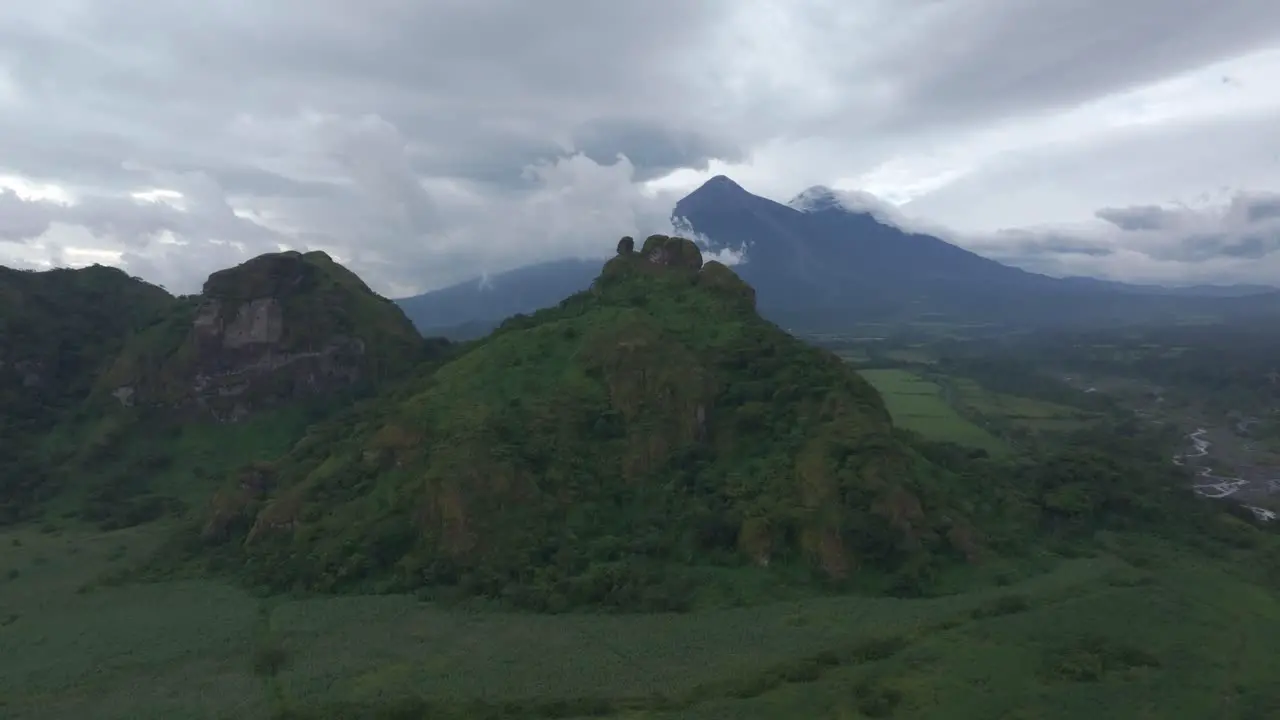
{"points": [[351, 125], [1201, 247], [1259, 209], [1223, 243], [1247, 227], [20, 220], [654, 150], [447, 73], [1027, 243], [1146, 217]]}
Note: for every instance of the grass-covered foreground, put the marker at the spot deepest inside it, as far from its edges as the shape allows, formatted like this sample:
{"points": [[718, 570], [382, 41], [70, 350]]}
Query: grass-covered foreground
{"points": [[1143, 631]]}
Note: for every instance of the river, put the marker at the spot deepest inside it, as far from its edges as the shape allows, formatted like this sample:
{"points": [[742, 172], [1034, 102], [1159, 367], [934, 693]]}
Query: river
{"points": [[1210, 485]]}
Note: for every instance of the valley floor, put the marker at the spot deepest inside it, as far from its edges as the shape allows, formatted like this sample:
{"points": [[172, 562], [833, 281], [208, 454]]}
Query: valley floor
{"points": [[1139, 631]]}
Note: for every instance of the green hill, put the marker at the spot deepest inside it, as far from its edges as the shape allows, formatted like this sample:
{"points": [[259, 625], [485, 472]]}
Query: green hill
{"points": [[649, 444], [273, 329], [179, 390], [598, 453], [58, 329]]}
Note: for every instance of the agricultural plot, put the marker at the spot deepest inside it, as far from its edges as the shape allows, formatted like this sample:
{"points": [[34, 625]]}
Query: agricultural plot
{"points": [[919, 405], [1038, 416], [913, 355]]}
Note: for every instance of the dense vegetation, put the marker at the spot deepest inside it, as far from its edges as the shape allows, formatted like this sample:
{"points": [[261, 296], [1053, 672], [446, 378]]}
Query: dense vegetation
{"points": [[925, 530], [57, 330], [597, 453], [1225, 363], [294, 306], [116, 391]]}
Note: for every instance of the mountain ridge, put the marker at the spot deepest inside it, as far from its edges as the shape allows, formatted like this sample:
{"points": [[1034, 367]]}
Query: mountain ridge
{"points": [[605, 452], [58, 330], [177, 387], [820, 266], [275, 316], [488, 300]]}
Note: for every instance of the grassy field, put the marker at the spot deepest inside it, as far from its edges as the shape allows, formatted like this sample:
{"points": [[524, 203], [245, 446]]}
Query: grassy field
{"points": [[918, 404], [919, 356], [1156, 635], [1035, 415]]}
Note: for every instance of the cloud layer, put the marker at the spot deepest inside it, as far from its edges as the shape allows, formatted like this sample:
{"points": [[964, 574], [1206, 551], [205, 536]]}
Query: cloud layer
{"points": [[426, 142]]}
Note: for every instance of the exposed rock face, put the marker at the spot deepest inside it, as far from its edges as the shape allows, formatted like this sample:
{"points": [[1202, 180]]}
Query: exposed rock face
{"points": [[661, 253], [271, 330], [255, 322], [242, 357], [672, 252]]}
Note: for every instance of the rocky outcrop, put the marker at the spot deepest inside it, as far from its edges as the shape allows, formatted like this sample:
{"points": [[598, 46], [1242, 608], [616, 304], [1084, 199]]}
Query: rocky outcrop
{"points": [[272, 330], [662, 253], [243, 361], [672, 252], [256, 322]]}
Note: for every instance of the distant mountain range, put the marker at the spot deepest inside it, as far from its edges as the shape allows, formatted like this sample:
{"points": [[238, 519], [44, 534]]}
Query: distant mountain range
{"points": [[1240, 290], [471, 309], [817, 265]]}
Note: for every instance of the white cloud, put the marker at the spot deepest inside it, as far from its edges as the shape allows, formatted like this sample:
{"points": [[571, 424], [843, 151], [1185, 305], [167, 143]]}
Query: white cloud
{"points": [[428, 142]]}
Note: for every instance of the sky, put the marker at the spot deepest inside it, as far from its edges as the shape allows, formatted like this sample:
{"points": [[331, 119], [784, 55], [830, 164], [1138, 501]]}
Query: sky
{"points": [[425, 142]]}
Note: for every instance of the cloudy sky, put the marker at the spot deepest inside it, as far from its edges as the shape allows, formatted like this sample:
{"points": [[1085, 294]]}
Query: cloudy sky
{"points": [[425, 141]]}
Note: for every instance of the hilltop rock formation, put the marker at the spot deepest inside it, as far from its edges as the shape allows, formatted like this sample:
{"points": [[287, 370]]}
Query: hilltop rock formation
{"points": [[275, 328], [601, 453], [672, 252], [662, 253]]}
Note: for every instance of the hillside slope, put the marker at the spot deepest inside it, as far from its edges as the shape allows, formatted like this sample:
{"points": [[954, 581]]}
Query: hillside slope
{"points": [[817, 254], [58, 327], [229, 376], [275, 328], [590, 453], [58, 331], [816, 264]]}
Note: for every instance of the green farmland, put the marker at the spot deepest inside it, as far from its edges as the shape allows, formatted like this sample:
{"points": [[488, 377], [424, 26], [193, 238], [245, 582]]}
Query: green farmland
{"points": [[1030, 413], [917, 404]]}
